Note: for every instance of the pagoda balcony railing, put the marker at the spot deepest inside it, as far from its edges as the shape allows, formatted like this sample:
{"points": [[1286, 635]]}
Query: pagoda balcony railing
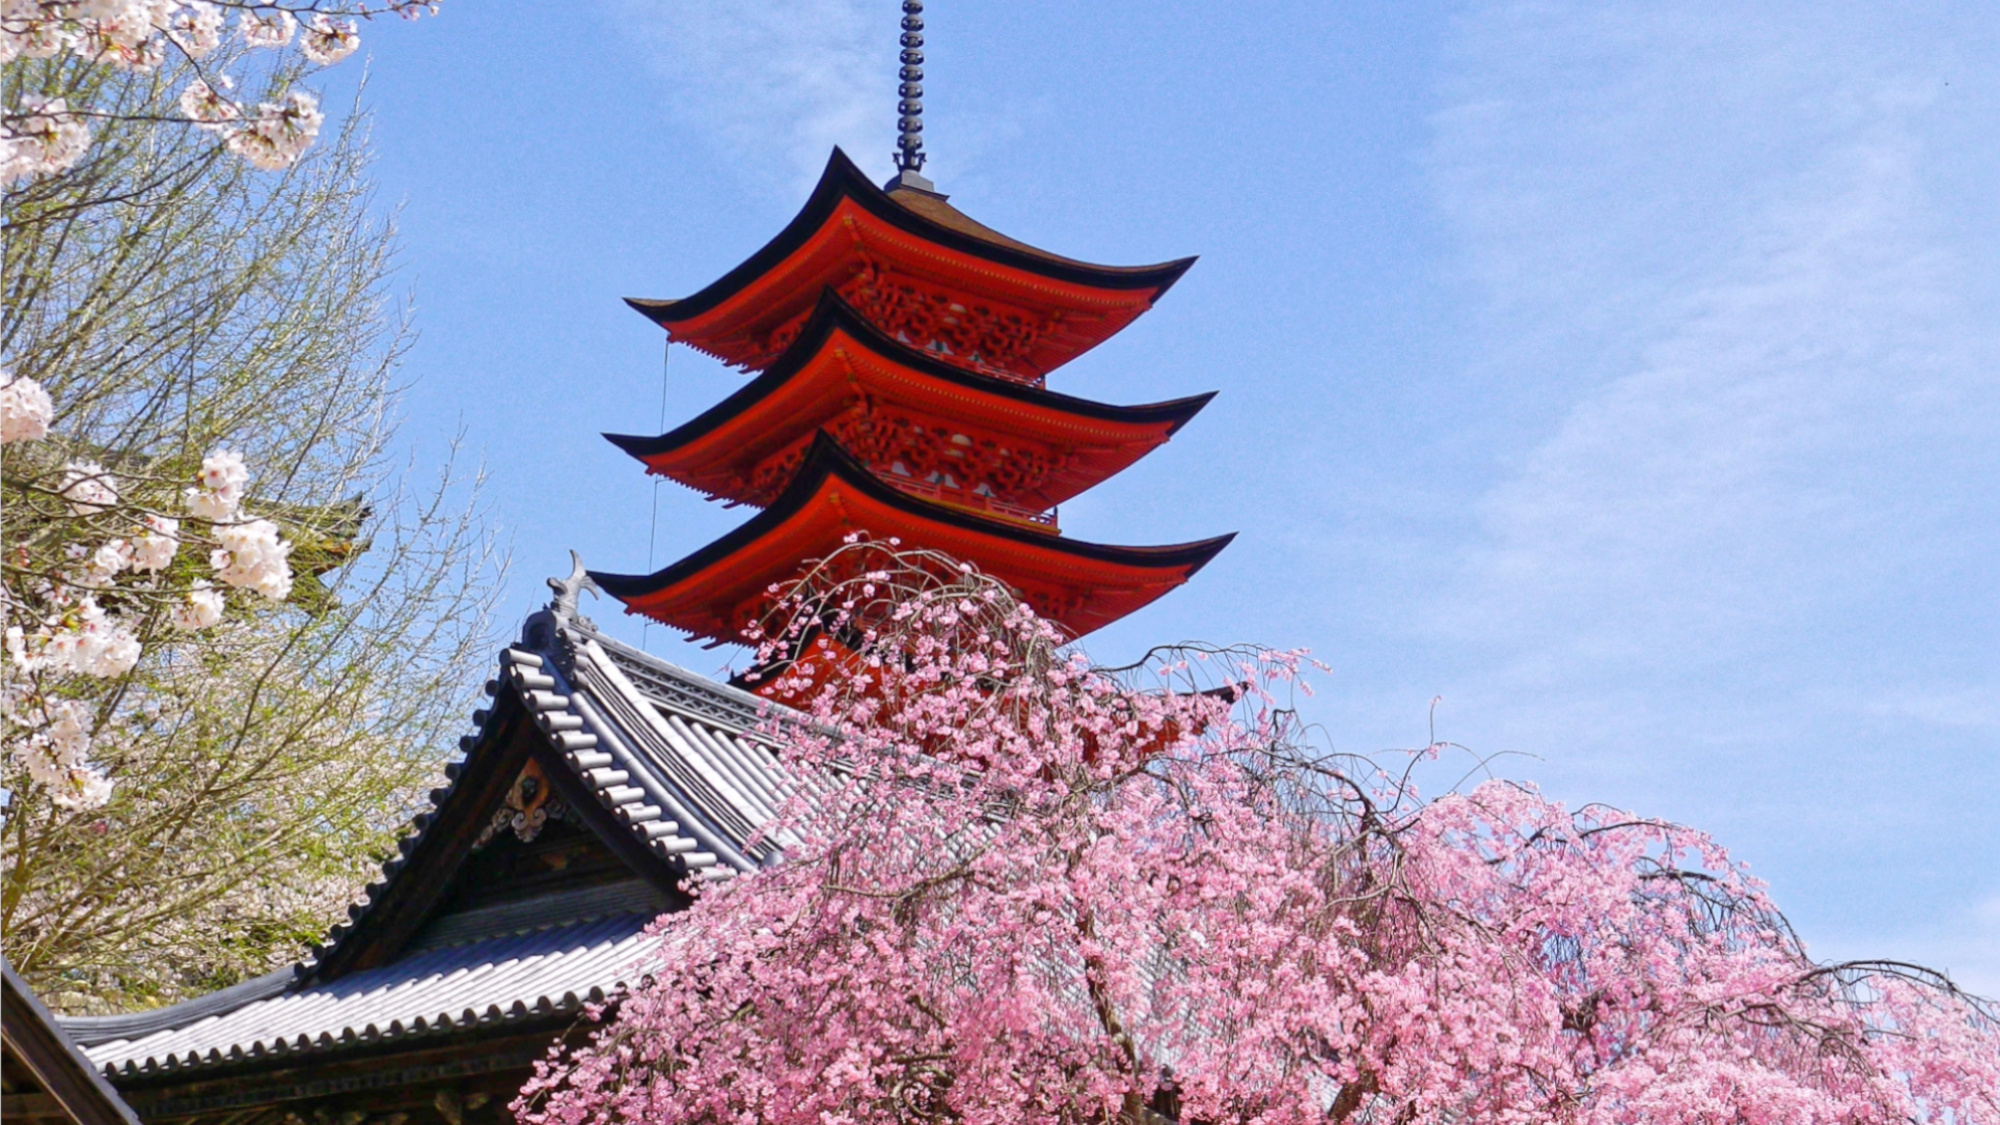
{"points": [[971, 361], [974, 501]]}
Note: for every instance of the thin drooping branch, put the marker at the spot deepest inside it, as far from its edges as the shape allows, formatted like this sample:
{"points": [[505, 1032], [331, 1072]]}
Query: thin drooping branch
{"points": [[1017, 888]]}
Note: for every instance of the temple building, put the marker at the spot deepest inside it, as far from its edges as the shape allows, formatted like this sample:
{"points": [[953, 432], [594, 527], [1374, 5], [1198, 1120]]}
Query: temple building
{"points": [[596, 783], [898, 355]]}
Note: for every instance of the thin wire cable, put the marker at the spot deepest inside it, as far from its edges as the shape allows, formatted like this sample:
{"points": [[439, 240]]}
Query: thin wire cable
{"points": [[653, 532]]}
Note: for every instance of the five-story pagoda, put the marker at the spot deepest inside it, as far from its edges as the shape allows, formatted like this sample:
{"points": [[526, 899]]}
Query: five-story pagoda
{"points": [[900, 353]]}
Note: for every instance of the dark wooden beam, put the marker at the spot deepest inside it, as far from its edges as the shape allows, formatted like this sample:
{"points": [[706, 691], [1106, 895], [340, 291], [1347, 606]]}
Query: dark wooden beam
{"points": [[37, 1051]]}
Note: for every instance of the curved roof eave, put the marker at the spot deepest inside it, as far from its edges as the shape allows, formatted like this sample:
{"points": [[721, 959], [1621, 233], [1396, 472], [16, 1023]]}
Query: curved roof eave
{"points": [[833, 314], [843, 180], [826, 459]]}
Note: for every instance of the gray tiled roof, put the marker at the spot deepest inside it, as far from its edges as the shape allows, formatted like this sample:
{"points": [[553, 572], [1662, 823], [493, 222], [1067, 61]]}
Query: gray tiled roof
{"points": [[674, 757], [723, 773], [43, 1064], [491, 982], [671, 754]]}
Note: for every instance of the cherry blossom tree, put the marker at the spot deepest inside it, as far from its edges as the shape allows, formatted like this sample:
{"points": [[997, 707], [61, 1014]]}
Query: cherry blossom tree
{"points": [[51, 116], [238, 634], [1018, 888], [91, 550], [93, 555]]}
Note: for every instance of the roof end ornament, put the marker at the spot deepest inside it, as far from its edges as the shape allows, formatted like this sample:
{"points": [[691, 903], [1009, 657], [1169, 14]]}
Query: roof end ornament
{"points": [[564, 605], [910, 106]]}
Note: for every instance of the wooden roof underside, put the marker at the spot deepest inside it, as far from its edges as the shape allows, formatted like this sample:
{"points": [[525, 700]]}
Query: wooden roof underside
{"points": [[849, 225], [1082, 586], [841, 366]]}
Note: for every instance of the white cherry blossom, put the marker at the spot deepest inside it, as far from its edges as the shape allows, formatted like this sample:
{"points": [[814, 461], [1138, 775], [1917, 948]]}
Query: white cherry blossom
{"points": [[31, 33], [40, 137], [224, 471], [154, 548], [88, 789], [253, 557], [109, 561], [56, 755], [220, 486], [274, 29], [196, 28], [202, 609], [25, 409], [206, 106], [278, 132], [84, 640], [327, 41], [88, 487], [118, 23]]}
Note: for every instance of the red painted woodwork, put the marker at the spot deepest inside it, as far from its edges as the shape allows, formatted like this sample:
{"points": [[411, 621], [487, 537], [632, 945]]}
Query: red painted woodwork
{"points": [[900, 351], [921, 271], [926, 427], [718, 591]]}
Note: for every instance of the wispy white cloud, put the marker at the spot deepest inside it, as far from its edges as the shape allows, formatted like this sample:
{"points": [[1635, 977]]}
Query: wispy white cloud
{"points": [[778, 84], [1743, 340]]}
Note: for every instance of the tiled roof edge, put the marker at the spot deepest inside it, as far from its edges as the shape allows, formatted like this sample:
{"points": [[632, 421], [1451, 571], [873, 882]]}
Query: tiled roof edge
{"points": [[445, 1022], [586, 741], [482, 719], [711, 701], [92, 1030]]}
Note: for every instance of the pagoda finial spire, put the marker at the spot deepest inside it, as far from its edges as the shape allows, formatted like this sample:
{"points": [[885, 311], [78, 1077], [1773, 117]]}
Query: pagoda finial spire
{"points": [[910, 106]]}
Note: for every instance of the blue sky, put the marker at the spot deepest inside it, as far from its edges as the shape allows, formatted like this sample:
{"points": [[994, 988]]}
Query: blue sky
{"points": [[1627, 375]]}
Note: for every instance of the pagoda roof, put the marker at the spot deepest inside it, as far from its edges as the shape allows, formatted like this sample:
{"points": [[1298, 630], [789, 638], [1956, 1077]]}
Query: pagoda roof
{"points": [[841, 365], [849, 226], [1081, 586]]}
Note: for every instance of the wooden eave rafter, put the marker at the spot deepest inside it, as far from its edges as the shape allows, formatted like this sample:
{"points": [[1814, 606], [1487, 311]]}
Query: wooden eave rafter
{"points": [[841, 366], [848, 221], [715, 591]]}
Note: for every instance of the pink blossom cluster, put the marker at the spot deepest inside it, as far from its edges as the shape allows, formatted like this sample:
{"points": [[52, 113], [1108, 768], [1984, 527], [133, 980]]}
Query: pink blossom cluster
{"points": [[1016, 888]]}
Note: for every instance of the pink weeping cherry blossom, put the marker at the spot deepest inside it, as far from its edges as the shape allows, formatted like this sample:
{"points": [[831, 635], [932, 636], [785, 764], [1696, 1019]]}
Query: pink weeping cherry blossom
{"points": [[1016, 888]]}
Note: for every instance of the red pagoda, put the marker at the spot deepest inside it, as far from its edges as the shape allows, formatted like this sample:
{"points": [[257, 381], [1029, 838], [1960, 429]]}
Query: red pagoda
{"points": [[900, 352]]}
